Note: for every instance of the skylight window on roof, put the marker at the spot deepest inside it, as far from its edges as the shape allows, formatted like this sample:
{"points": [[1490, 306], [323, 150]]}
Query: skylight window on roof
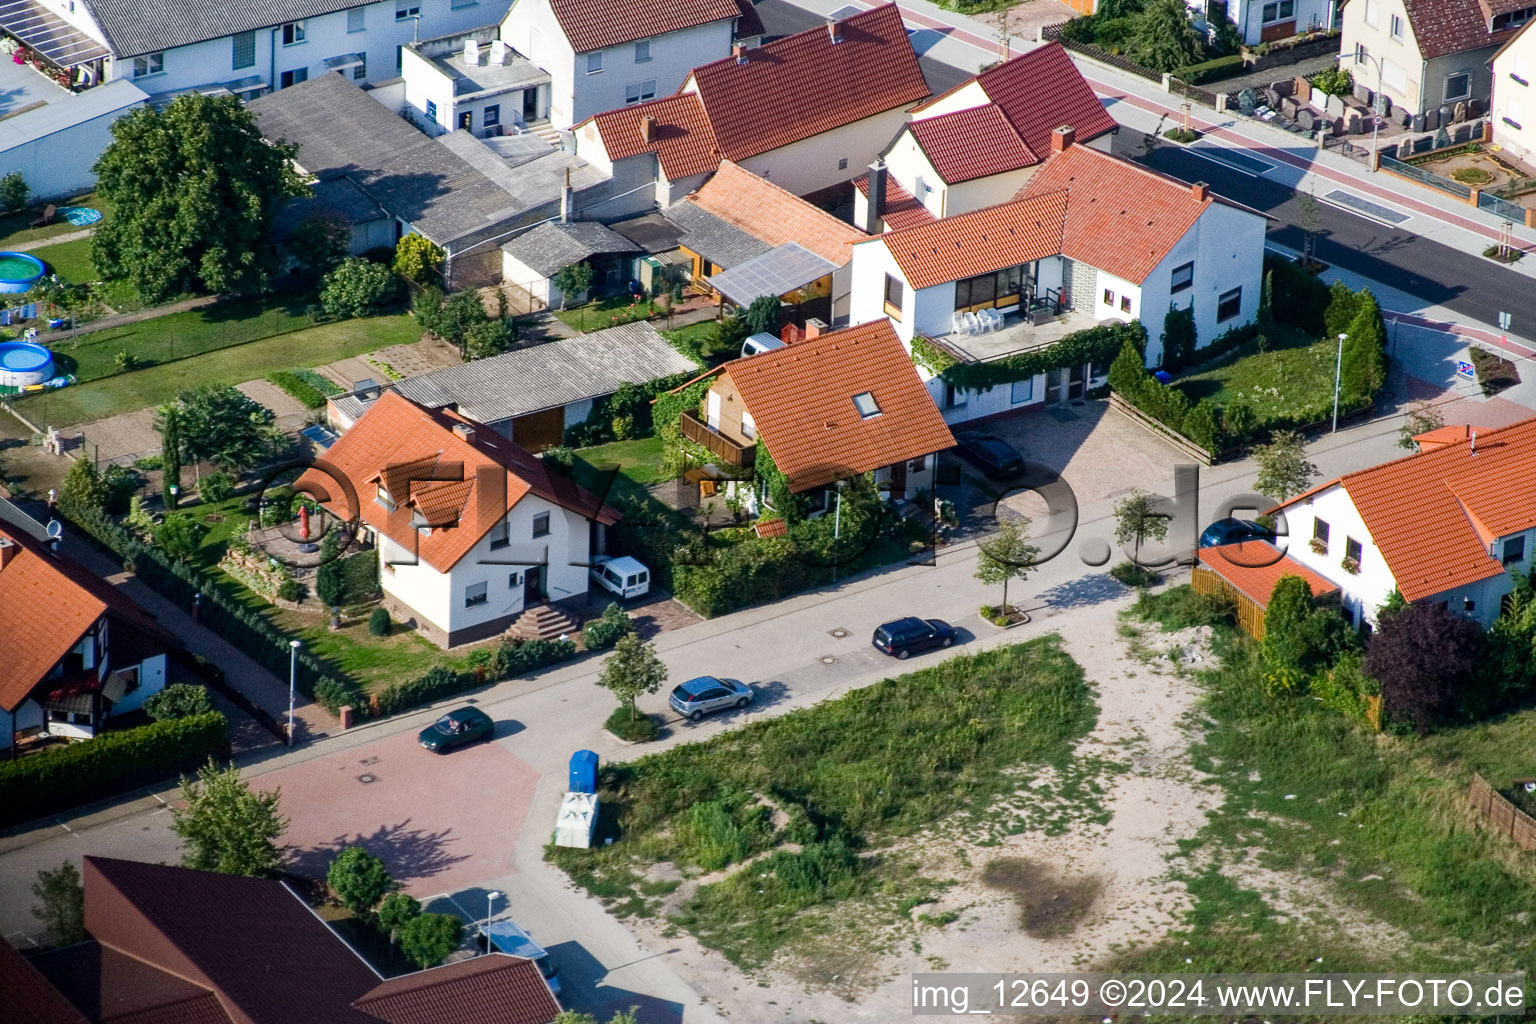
{"points": [[866, 404]]}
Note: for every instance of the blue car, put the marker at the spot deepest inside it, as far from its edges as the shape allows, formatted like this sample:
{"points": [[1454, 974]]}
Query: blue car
{"points": [[1231, 531]]}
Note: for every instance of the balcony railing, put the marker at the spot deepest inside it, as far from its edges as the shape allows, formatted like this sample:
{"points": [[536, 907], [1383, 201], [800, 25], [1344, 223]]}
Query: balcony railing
{"points": [[727, 451]]}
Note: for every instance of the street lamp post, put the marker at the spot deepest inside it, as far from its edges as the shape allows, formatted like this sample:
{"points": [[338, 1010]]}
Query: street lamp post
{"points": [[1338, 367], [293, 673], [490, 901], [1375, 113], [837, 525]]}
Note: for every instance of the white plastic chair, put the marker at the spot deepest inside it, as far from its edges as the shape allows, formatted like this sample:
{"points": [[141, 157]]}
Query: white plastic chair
{"points": [[960, 327], [972, 323], [990, 321]]}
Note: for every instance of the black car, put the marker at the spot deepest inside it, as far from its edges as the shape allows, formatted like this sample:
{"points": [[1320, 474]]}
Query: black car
{"points": [[457, 729], [996, 457], [1232, 531], [906, 637]]}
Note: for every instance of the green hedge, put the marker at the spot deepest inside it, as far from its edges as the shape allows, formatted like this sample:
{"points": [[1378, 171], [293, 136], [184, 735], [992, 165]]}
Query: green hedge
{"points": [[1211, 70], [305, 386], [1097, 344], [1300, 298], [107, 765], [512, 658]]}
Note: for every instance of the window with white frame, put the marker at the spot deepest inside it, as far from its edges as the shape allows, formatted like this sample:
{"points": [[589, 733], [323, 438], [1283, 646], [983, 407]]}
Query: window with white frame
{"points": [[1458, 86], [355, 22], [1395, 27], [642, 51], [293, 77], [748, 426], [594, 63], [1361, 53], [866, 404], [1022, 391], [293, 33], [243, 45], [475, 594], [1279, 10], [1372, 13], [405, 9], [149, 64], [639, 92], [360, 69]]}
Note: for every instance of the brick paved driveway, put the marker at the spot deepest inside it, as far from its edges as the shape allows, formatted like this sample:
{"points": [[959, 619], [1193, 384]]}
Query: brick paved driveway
{"points": [[440, 822]]}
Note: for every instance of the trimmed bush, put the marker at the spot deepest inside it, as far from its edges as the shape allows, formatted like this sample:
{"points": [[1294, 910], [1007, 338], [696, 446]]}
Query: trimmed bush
{"points": [[603, 633], [379, 623], [512, 658], [179, 700], [1211, 70], [111, 763], [631, 730]]}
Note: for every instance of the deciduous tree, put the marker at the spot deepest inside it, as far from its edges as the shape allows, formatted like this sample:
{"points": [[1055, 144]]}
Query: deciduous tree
{"points": [[1284, 469], [227, 827], [358, 288], [1422, 417], [219, 423], [573, 281], [631, 670], [428, 938], [193, 189], [61, 905], [1137, 520], [416, 257], [1424, 656], [84, 491], [359, 879], [179, 700], [1007, 556], [396, 910], [319, 243]]}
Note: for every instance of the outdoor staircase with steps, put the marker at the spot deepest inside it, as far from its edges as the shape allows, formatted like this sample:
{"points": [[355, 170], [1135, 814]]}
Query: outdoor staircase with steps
{"points": [[546, 131], [543, 622]]}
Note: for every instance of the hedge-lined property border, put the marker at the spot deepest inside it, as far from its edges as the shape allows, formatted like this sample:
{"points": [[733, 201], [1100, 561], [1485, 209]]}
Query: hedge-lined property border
{"points": [[1097, 344]]}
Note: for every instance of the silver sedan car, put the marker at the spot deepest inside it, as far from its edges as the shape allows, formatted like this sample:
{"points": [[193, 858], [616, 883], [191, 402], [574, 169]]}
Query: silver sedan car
{"points": [[697, 697]]}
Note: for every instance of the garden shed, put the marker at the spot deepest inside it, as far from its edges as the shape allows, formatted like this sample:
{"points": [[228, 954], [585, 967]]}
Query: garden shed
{"points": [[1246, 574]]}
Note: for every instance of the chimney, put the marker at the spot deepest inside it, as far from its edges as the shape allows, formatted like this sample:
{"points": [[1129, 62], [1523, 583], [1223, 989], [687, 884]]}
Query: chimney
{"points": [[791, 334], [1062, 138], [874, 210], [814, 328], [648, 128], [566, 196], [498, 52], [8, 549], [739, 52], [1201, 191], [471, 53], [1474, 442], [834, 31], [465, 431]]}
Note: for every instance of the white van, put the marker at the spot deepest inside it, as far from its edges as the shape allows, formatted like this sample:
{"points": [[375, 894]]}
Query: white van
{"points": [[622, 576], [763, 342]]}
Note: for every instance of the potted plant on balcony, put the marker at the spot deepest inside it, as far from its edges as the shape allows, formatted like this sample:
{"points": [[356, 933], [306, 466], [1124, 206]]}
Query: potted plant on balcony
{"points": [[1350, 565], [1319, 546]]}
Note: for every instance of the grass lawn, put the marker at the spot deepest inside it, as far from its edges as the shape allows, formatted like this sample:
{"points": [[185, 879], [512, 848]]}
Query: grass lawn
{"points": [[638, 461], [842, 778], [158, 384], [178, 335], [14, 230], [1368, 839], [70, 260], [1293, 378], [604, 312]]}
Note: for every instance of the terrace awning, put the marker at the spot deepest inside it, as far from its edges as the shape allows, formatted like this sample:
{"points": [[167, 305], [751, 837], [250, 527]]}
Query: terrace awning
{"points": [[776, 272], [343, 63], [47, 33]]}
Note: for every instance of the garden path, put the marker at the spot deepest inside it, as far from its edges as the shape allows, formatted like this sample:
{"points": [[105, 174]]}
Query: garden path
{"points": [[40, 243], [51, 338], [290, 412]]}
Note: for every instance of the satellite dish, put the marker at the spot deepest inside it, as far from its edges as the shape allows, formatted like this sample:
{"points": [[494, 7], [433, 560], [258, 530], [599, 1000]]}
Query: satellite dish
{"points": [[55, 529], [1530, 787]]}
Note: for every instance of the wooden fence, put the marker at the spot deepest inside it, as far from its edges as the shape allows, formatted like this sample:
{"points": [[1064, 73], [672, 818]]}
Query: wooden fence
{"points": [[1502, 814], [1162, 429], [1211, 583]]}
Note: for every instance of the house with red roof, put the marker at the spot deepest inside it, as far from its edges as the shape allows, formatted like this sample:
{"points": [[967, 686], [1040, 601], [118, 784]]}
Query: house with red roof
{"points": [[1091, 238], [475, 534], [979, 143], [602, 54], [1445, 525], [828, 407], [1429, 56], [806, 112], [169, 944], [77, 651]]}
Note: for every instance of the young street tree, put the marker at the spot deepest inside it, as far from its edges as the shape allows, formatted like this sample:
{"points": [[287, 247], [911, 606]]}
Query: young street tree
{"points": [[573, 280], [62, 906], [428, 938], [193, 189], [226, 827], [359, 879], [631, 670], [1422, 417], [396, 910], [1283, 467], [1137, 520], [1008, 556]]}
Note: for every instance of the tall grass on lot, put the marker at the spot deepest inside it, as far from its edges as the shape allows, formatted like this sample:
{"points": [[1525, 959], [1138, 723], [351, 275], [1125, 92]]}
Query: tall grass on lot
{"points": [[1373, 835], [304, 386], [854, 773], [1291, 384]]}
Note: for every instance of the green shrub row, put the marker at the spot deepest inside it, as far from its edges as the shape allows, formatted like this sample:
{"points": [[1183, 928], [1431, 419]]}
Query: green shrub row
{"points": [[1299, 298], [111, 763], [1097, 344], [511, 658], [625, 414], [1211, 70], [304, 386]]}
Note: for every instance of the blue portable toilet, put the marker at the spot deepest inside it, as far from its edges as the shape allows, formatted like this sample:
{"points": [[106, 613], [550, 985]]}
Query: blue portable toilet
{"points": [[583, 772]]}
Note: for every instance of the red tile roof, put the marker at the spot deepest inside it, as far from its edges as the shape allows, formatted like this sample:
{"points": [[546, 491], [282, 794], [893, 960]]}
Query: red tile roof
{"points": [[774, 216], [495, 989], [1121, 217], [684, 143], [50, 601], [1442, 27], [596, 24], [972, 144], [1432, 515], [28, 994], [1442, 436], [1042, 90], [801, 399], [1255, 566], [403, 446], [980, 241], [805, 84], [902, 210]]}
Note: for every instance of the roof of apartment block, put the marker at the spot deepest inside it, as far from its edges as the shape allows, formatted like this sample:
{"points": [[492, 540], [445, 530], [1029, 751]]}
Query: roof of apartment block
{"points": [[1435, 514], [801, 398], [51, 600], [810, 82], [459, 486], [774, 216], [598, 24]]}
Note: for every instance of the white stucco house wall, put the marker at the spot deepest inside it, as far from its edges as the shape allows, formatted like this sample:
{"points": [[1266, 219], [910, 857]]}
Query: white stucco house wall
{"points": [[1513, 106], [472, 81], [32, 141], [1445, 525], [472, 529]]}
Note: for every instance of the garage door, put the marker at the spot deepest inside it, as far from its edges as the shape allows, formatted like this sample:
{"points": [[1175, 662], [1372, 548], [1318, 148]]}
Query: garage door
{"points": [[540, 430]]}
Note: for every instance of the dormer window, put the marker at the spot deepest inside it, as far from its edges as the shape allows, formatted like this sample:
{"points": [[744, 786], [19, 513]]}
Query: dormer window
{"points": [[866, 404], [383, 498]]}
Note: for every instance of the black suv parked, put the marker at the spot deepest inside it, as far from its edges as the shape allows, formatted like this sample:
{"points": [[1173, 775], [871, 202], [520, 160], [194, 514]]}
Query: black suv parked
{"points": [[905, 637]]}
